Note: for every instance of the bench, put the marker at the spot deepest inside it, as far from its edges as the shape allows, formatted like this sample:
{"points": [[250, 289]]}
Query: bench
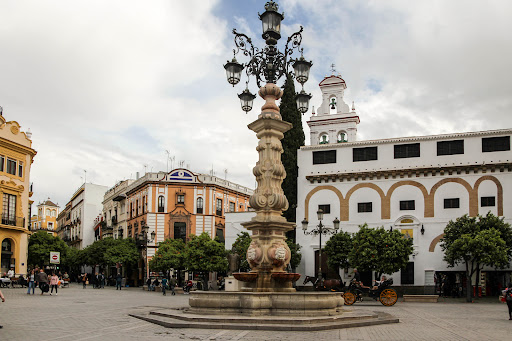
{"points": [[421, 298]]}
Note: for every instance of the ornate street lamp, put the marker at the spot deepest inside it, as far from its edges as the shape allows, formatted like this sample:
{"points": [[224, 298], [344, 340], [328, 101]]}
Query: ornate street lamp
{"points": [[269, 64], [319, 231]]}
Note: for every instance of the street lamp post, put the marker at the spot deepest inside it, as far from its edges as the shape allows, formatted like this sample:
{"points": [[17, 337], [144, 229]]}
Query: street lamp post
{"points": [[143, 242], [320, 230]]}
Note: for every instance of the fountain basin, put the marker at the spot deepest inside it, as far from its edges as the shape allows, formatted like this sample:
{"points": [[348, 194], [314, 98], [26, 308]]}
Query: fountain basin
{"points": [[284, 276], [246, 276]]}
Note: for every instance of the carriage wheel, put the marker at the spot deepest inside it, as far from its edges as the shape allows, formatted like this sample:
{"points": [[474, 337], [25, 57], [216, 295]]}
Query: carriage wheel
{"points": [[349, 298], [388, 297]]}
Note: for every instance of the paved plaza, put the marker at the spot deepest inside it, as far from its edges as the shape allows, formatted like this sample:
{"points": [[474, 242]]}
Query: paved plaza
{"points": [[102, 314]]}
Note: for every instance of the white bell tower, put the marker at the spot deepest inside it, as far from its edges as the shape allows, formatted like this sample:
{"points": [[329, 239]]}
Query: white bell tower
{"points": [[334, 121]]}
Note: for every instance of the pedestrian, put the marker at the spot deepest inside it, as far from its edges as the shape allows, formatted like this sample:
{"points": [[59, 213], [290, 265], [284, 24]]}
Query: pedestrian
{"points": [[508, 298], [102, 280], [164, 285], [119, 280], [173, 285], [189, 286], [54, 283], [42, 279], [31, 282], [3, 300], [85, 280], [148, 283]]}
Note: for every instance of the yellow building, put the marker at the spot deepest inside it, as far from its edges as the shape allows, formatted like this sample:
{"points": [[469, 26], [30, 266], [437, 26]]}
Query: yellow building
{"points": [[46, 218], [16, 157]]}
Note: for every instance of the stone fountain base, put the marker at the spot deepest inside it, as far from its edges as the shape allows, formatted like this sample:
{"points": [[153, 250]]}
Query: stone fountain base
{"points": [[265, 303]]}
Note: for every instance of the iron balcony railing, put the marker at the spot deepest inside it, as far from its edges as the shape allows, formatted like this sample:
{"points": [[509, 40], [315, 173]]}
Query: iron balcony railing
{"points": [[8, 219]]}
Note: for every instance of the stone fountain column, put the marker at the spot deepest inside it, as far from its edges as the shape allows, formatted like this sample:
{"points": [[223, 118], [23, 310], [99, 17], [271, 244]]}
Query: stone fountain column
{"points": [[268, 254]]}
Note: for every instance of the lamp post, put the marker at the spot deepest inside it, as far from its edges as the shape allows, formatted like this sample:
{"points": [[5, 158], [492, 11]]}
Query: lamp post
{"points": [[320, 230], [143, 242]]}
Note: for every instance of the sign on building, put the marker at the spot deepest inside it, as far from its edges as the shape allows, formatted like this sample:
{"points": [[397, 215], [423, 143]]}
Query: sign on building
{"points": [[54, 257]]}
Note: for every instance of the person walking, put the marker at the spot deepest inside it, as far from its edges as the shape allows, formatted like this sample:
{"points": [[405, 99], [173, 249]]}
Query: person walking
{"points": [[31, 282], [508, 298], [164, 285], [42, 280], [119, 280], [172, 284], [54, 283], [3, 300], [85, 280]]}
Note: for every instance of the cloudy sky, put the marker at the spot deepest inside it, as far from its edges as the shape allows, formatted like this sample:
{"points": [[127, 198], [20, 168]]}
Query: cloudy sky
{"points": [[109, 86]]}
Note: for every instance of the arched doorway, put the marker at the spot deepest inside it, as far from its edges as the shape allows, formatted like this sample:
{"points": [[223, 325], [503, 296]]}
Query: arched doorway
{"points": [[8, 260]]}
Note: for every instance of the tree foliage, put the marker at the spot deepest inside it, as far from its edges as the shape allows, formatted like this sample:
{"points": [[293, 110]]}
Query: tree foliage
{"points": [[94, 254], [296, 256], [204, 254], [338, 249], [292, 141], [41, 244], [476, 242], [122, 251], [240, 246], [379, 250], [170, 255]]}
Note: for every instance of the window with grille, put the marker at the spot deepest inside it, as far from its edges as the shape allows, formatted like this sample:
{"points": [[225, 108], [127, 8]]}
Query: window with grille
{"points": [[495, 144], [9, 209], [450, 147], [403, 151], [200, 205], [180, 199], [452, 203], [363, 207], [161, 204], [231, 207], [487, 201], [407, 205], [324, 157], [364, 154]]}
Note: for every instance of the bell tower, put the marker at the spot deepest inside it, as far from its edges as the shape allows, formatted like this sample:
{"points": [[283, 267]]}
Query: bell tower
{"points": [[334, 121]]}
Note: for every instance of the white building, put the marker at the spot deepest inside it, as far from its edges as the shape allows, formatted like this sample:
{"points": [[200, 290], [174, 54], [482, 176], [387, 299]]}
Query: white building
{"points": [[114, 210], [414, 184], [86, 204]]}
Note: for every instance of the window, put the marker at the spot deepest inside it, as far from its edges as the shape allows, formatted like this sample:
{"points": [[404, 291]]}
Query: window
{"points": [[407, 205], [180, 199], [407, 274], [20, 169], [495, 144], [48, 212], [231, 207], [219, 233], [161, 204], [50, 226], [2, 163], [363, 207], [403, 151], [323, 157], [143, 204], [450, 147], [199, 205], [131, 210], [9, 209], [364, 154], [325, 208], [137, 207], [324, 139], [452, 203], [180, 231], [487, 201], [342, 137], [218, 208], [11, 166]]}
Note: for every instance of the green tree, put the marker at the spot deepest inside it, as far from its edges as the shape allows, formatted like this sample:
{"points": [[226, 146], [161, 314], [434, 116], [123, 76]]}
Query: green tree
{"points": [[170, 255], [379, 250], [41, 244], [240, 246], [94, 254], [292, 141], [205, 255], [73, 259], [476, 242], [122, 251], [296, 256], [338, 249]]}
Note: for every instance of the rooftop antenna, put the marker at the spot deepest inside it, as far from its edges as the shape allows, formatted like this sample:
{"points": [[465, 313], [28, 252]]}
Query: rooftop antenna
{"points": [[145, 168], [168, 157], [85, 176], [225, 174]]}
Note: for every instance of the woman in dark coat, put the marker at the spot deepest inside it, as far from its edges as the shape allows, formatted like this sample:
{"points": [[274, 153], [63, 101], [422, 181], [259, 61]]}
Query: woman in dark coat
{"points": [[508, 298]]}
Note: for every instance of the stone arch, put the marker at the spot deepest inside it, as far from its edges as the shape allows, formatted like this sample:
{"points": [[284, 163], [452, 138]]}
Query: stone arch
{"points": [[434, 242], [344, 212], [319, 188], [14, 249], [406, 183], [499, 187], [473, 202]]}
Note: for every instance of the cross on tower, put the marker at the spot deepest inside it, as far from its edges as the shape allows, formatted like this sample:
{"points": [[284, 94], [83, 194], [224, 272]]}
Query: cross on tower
{"points": [[333, 70]]}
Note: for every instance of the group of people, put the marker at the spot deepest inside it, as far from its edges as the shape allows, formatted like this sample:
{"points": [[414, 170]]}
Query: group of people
{"points": [[97, 280], [38, 277], [164, 285]]}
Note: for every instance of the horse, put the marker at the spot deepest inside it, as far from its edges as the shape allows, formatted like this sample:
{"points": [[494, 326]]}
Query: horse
{"points": [[327, 284]]}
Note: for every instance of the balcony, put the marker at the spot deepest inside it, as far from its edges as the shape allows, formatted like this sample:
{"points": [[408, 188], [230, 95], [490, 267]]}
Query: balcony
{"points": [[114, 220], [12, 220]]}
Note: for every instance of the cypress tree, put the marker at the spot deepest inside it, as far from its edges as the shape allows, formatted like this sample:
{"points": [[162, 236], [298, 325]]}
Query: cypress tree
{"points": [[293, 140]]}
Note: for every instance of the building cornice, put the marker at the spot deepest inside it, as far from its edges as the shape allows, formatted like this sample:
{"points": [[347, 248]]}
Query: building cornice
{"points": [[410, 172], [410, 139], [17, 147]]}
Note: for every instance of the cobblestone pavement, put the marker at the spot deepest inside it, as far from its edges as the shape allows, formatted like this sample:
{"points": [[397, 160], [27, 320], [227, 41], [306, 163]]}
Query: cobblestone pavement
{"points": [[102, 314]]}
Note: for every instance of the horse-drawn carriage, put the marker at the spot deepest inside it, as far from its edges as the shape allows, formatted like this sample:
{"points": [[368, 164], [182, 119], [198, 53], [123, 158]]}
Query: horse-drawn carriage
{"points": [[354, 292]]}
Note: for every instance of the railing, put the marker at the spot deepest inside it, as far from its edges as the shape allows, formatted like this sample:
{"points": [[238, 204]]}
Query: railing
{"points": [[13, 221]]}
